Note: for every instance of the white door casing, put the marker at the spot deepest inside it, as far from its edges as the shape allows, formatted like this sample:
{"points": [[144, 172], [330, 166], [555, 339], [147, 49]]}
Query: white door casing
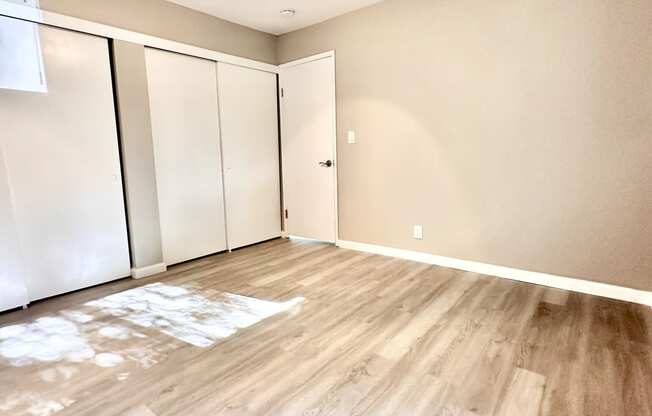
{"points": [[308, 119]]}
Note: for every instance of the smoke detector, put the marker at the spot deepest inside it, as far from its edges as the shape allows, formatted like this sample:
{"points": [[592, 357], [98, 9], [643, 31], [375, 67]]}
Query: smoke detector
{"points": [[288, 12]]}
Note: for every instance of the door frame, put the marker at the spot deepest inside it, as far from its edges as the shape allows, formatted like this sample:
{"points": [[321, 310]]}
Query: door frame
{"points": [[324, 55]]}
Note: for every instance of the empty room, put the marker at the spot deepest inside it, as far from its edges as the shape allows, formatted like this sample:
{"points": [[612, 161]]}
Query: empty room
{"points": [[342, 207]]}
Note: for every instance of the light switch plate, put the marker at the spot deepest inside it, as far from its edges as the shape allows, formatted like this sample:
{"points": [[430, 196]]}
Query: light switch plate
{"points": [[418, 232], [351, 137]]}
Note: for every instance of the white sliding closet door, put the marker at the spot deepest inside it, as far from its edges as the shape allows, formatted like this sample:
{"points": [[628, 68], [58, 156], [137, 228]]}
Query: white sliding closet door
{"points": [[61, 149], [185, 126], [249, 117], [13, 288]]}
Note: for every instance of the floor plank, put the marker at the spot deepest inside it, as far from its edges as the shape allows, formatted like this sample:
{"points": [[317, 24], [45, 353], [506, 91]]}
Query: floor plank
{"points": [[524, 394]]}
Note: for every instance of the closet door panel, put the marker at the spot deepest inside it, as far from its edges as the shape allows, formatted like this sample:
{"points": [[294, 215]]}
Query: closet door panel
{"points": [[13, 292], [249, 119], [63, 165], [185, 128]]}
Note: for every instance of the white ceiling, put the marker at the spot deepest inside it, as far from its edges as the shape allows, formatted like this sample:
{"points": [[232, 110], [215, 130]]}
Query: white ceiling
{"points": [[264, 14]]}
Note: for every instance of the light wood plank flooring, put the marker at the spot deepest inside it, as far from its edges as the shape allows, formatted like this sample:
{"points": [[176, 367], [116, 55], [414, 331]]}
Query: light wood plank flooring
{"points": [[374, 336]]}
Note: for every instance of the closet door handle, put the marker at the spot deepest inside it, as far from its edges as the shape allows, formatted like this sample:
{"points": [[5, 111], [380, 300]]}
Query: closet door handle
{"points": [[326, 164]]}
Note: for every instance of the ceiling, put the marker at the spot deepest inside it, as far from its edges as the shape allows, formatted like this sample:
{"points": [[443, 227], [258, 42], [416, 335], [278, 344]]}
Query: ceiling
{"points": [[265, 14]]}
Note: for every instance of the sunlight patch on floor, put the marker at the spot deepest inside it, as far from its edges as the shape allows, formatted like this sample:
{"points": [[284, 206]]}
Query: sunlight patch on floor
{"points": [[120, 334], [48, 339], [187, 316]]}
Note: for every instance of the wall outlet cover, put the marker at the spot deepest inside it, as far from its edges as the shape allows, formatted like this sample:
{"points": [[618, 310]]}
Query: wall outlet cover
{"points": [[418, 232]]}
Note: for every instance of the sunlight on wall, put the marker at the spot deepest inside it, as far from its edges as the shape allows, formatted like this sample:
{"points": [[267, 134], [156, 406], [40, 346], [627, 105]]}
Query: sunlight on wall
{"points": [[21, 61]]}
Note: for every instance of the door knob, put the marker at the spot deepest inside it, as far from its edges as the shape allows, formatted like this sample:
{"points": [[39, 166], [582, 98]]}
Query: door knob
{"points": [[326, 164]]}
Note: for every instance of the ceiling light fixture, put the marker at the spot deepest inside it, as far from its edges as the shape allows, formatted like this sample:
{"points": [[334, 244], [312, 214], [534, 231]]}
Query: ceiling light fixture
{"points": [[288, 12]]}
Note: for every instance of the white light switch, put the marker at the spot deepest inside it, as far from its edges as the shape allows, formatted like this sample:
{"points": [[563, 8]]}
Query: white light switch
{"points": [[418, 232], [351, 137]]}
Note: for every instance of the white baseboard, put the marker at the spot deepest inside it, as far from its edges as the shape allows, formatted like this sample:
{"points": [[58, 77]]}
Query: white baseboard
{"points": [[559, 282], [140, 272]]}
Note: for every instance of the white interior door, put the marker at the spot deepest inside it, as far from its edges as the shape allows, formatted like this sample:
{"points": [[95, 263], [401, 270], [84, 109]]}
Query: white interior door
{"points": [[308, 147], [185, 128], [61, 149], [249, 121]]}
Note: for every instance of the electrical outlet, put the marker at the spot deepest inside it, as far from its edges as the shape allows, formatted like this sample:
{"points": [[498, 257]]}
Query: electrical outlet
{"points": [[418, 232], [351, 137]]}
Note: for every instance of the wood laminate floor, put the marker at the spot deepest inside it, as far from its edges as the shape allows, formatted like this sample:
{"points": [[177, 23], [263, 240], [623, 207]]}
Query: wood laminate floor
{"points": [[373, 336]]}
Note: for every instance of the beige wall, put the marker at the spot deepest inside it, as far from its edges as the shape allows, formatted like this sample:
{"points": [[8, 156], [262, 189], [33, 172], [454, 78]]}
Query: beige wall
{"points": [[518, 133], [170, 21], [137, 149]]}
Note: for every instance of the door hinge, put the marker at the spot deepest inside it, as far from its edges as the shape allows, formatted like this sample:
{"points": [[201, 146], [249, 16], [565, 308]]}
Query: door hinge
{"points": [[282, 93], [286, 214]]}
